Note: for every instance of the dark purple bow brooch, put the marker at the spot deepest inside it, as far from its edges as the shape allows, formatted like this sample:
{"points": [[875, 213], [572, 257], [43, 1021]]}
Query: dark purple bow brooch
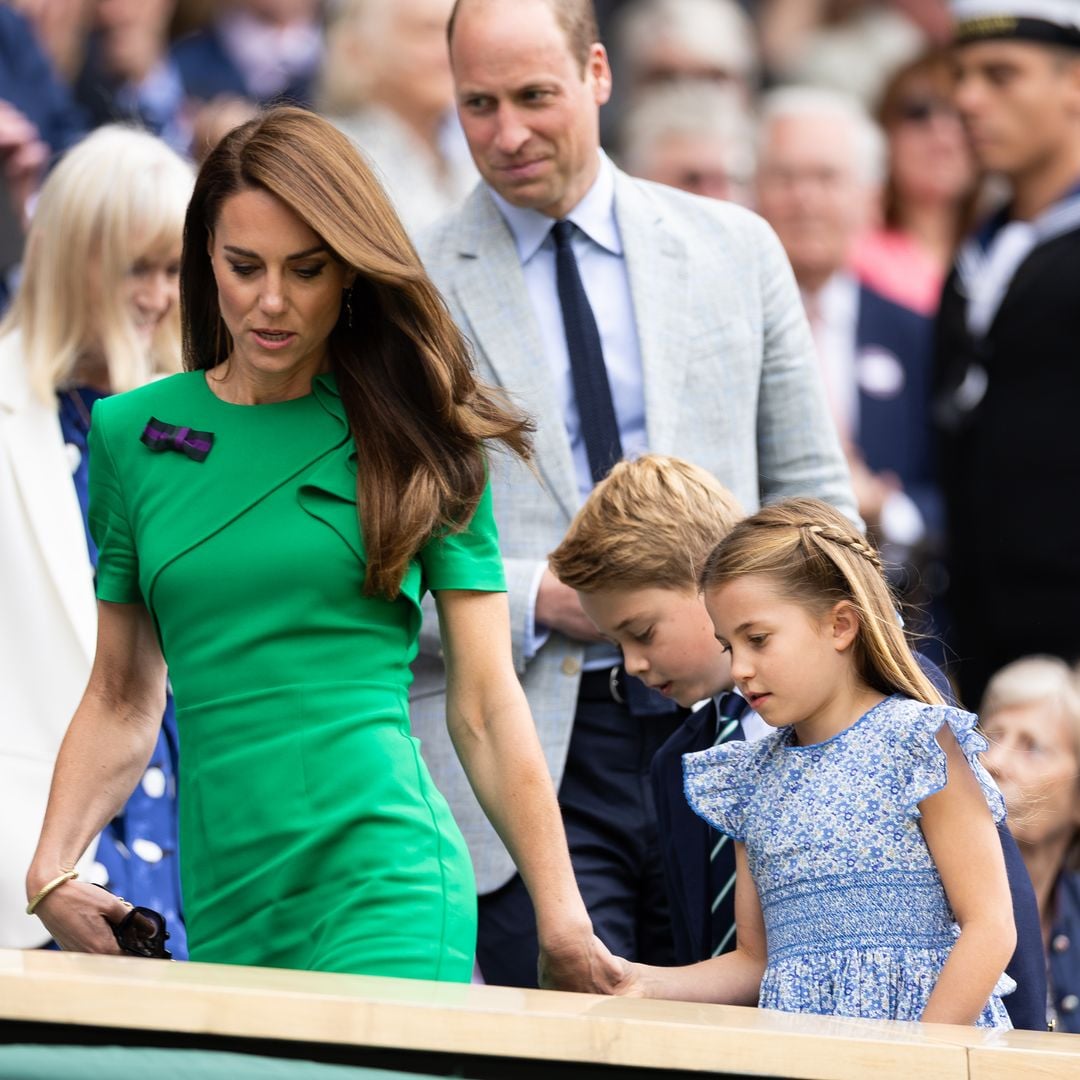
{"points": [[195, 444]]}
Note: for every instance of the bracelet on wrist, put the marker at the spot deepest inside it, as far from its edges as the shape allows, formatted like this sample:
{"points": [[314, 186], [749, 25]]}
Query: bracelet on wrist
{"points": [[52, 886]]}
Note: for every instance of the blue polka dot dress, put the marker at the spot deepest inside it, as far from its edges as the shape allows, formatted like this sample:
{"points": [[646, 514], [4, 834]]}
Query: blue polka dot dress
{"points": [[137, 851], [856, 917]]}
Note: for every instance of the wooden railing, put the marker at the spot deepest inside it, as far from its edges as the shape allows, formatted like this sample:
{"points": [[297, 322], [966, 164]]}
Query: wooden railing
{"points": [[348, 1018]]}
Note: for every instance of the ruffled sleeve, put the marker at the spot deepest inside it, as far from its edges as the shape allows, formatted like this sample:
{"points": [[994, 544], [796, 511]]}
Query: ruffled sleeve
{"points": [[719, 783], [922, 762]]}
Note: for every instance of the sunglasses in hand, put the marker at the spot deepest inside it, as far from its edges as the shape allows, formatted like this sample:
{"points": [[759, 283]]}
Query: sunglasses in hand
{"points": [[142, 932]]}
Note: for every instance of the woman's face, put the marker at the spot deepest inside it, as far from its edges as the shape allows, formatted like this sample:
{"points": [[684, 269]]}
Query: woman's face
{"points": [[931, 161], [151, 290], [279, 287], [1033, 757]]}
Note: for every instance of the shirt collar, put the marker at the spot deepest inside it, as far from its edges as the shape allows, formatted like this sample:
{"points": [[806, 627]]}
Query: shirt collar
{"points": [[594, 215]]}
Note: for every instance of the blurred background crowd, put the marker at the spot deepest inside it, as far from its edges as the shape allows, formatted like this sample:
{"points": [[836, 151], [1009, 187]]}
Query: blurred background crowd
{"points": [[830, 117], [833, 119]]}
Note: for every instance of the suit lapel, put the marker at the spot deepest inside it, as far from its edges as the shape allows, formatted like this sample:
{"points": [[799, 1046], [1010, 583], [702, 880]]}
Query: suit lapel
{"points": [[35, 448], [658, 271], [490, 288]]}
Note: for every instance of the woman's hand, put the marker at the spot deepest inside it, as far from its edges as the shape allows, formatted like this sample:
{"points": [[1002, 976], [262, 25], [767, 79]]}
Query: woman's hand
{"points": [[587, 966], [78, 917]]}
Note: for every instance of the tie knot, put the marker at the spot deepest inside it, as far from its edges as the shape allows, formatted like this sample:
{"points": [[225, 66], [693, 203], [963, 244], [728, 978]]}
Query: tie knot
{"points": [[563, 232]]}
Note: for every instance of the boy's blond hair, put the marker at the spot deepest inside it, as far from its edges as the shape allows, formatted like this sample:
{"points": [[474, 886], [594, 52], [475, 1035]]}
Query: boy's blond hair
{"points": [[650, 522]]}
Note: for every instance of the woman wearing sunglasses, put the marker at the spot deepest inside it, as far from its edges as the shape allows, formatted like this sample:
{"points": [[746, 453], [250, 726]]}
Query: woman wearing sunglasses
{"points": [[930, 191]]}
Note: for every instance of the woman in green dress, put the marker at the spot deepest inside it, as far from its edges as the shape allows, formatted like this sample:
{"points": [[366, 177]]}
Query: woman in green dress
{"points": [[268, 522]]}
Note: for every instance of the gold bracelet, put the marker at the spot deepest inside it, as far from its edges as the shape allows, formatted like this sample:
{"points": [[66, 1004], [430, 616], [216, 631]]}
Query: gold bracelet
{"points": [[63, 879]]}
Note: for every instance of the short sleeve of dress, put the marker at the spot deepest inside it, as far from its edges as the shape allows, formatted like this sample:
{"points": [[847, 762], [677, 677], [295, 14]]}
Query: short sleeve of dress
{"points": [[719, 783], [118, 564], [469, 558], [923, 765]]}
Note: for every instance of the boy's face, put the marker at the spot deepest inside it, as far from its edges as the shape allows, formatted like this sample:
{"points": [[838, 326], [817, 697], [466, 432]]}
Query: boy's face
{"points": [[667, 639]]}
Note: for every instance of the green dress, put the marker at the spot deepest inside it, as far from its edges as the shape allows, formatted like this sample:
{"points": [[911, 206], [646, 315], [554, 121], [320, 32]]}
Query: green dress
{"points": [[311, 834]]}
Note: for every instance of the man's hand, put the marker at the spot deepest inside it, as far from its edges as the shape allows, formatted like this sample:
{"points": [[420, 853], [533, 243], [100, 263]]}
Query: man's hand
{"points": [[587, 966], [558, 608]]}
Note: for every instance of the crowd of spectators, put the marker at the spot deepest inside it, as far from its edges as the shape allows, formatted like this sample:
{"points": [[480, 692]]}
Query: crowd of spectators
{"points": [[835, 120]]}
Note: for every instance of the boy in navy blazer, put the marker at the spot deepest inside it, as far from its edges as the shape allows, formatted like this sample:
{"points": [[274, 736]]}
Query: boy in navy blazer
{"points": [[633, 553]]}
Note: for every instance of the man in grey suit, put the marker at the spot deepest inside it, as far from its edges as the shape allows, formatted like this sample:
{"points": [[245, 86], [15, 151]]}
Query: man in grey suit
{"points": [[624, 316]]}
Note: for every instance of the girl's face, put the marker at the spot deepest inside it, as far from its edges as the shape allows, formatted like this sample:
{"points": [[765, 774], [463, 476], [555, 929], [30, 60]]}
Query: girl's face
{"points": [[794, 666], [151, 290], [1033, 757]]}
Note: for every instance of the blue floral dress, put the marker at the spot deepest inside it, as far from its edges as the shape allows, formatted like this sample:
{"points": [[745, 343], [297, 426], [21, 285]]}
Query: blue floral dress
{"points": [[856, 918]]}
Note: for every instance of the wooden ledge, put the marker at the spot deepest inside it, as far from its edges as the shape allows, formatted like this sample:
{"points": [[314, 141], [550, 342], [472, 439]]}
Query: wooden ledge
{"points": [[362, 1011]]}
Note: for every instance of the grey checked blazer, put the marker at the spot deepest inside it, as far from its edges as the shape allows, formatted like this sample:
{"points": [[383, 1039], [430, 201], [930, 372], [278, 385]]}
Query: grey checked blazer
{"points": [[731, 383]]}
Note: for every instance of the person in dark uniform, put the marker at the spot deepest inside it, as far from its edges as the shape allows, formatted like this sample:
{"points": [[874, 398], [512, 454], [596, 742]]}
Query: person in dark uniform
{"points": [[1006, 375]]}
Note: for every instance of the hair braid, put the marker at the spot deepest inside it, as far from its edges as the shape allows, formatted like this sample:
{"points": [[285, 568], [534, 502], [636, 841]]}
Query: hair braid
{"points": [[848, 540]]}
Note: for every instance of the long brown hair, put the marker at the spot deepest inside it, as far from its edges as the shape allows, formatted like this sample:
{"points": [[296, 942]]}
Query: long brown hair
{"points": [[815, 557], [417, 412]]}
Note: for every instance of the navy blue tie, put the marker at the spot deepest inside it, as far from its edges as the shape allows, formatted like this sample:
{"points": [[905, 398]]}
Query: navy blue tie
{"points": [[596, 410]]}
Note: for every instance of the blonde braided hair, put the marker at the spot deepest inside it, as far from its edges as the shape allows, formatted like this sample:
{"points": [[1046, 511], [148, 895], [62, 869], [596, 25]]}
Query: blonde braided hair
{"points": [[817, 558], [847, 539]]}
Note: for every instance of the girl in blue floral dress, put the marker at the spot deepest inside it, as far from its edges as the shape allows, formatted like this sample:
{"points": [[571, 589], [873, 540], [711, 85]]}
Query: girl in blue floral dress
{"points": [[870, 880]]}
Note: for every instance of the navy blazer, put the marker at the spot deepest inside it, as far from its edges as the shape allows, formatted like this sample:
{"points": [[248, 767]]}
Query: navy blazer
{"points": [[28, 82], [686, 841], [207, 71], [894, 355]]}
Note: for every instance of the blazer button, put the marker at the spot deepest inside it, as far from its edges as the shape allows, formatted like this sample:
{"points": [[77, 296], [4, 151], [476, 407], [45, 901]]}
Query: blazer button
{"points": [[570, 666], [1070, 1003], [1060, 943]]}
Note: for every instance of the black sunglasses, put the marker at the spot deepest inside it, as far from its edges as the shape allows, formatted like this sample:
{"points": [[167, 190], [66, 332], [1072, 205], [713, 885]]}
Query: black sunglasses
{"points": [[142, 932], [922, 110]]}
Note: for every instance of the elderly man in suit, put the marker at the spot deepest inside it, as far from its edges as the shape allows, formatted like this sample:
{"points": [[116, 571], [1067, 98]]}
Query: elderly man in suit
{"points": [[623, 316], [820, 171]]}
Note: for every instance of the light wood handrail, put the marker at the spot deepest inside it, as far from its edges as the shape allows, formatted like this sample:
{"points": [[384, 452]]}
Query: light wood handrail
{"points": [[315, 1007]]}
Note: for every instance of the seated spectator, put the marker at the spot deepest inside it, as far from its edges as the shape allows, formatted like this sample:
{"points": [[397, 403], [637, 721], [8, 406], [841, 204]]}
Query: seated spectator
{"points": [[821, 161], [61, 28], [96, 312], [38, 119], [1031, 716], [848, 45], [693, 136], [930, 190], [128, 74], [387, 85], [263, 50], [657, 42]]}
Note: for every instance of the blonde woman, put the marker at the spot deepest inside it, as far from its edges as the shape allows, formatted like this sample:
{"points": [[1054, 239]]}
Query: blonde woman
{"points": [[96, 313], [1031, 717]]}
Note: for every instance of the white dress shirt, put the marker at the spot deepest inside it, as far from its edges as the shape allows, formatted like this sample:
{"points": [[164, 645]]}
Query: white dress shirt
{"points": [[599, 253]]}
